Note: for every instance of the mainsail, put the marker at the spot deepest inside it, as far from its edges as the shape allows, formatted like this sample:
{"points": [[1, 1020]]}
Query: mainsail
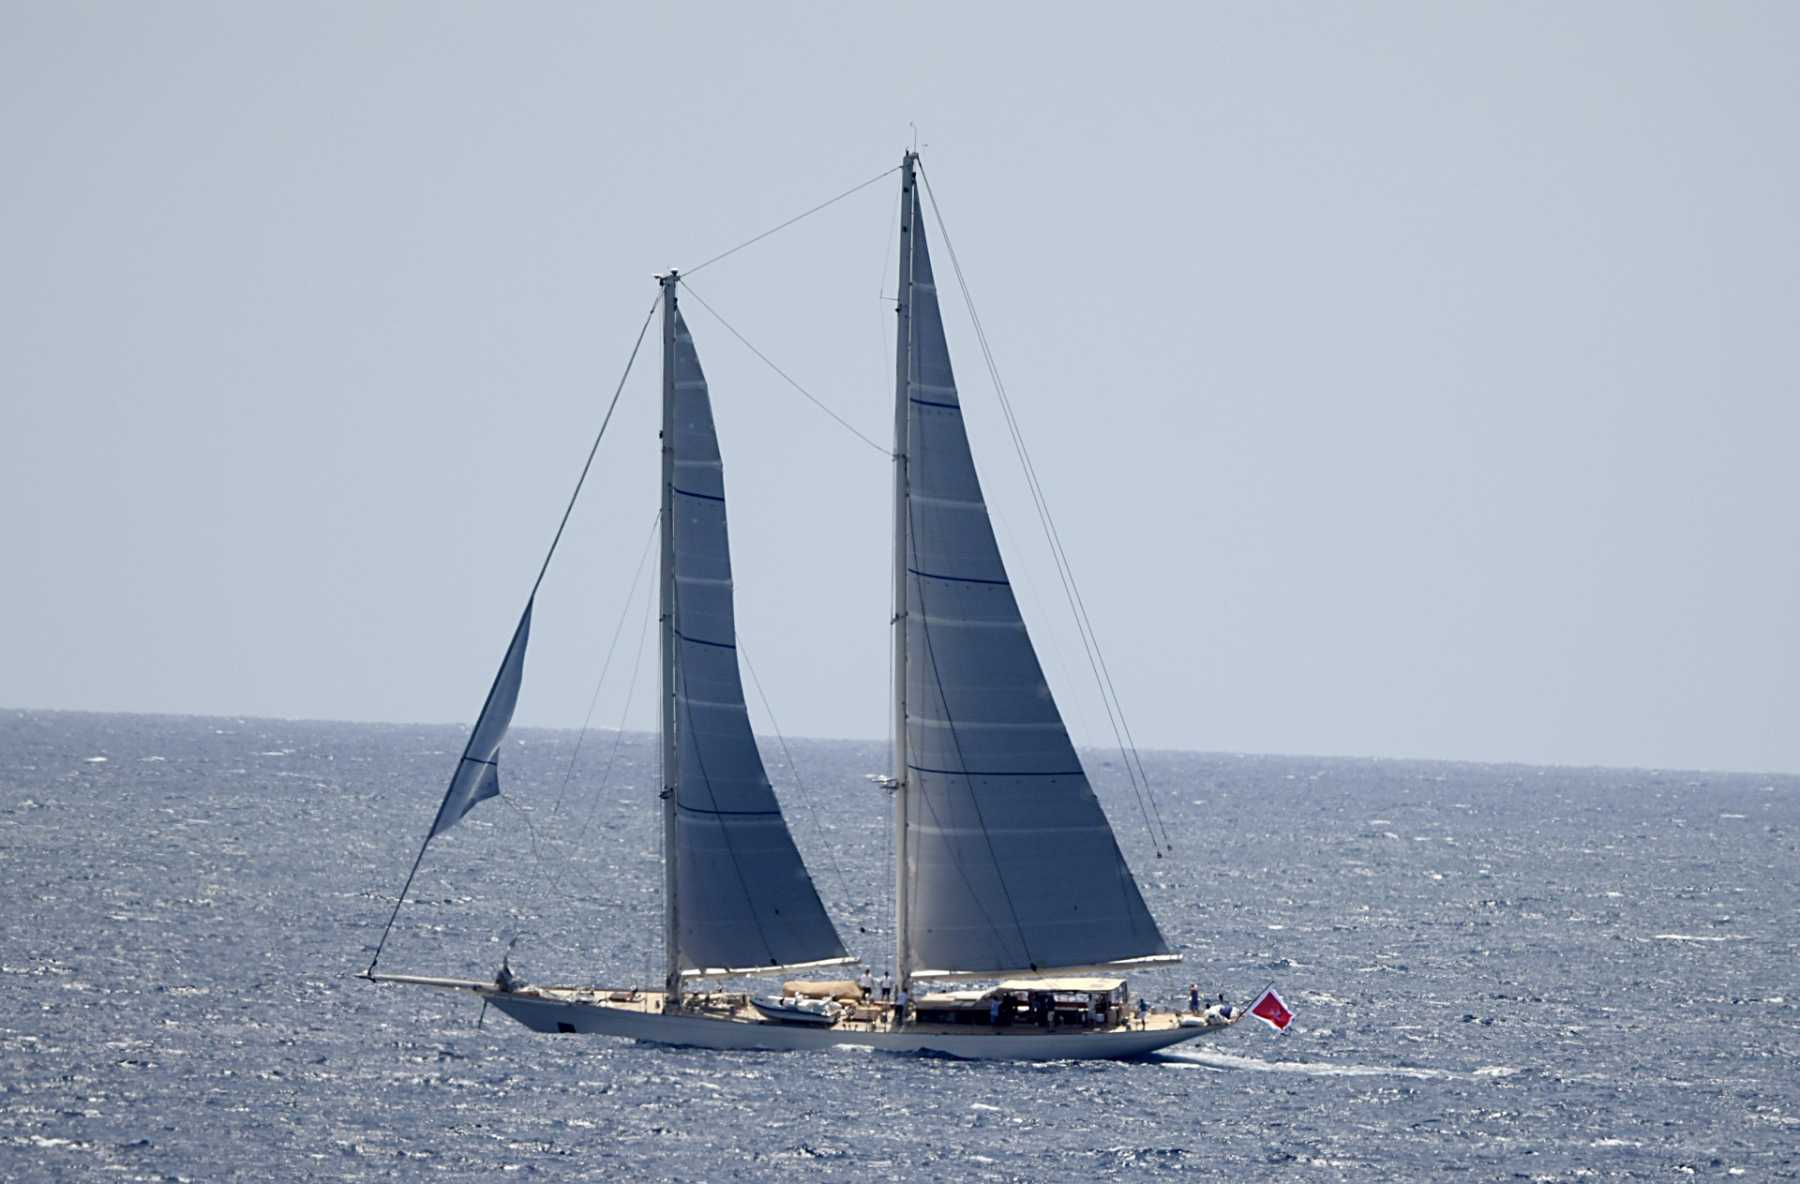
{"points": [[746, 901], [1010, 864]]}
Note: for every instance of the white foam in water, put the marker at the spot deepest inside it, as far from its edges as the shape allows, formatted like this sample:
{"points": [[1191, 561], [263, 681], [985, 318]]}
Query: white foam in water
{"points": [[1698, 937], [1225, 1060]]}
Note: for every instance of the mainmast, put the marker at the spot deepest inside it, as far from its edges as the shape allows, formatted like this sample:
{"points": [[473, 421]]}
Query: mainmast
{"points": [[666, 642], [902, 382]]}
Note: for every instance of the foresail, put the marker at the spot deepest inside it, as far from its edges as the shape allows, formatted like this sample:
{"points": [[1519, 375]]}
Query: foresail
{"points": [[746, 899], [1012, 865], [477, 775]]}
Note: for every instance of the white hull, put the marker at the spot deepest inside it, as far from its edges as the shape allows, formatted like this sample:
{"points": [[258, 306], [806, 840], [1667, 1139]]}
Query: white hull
{"points": [[589, 1014], [696, 1031]]}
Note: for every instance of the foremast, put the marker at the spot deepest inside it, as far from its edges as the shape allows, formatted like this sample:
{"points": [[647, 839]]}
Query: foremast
{"points": [[666, 649], [902, 383]]}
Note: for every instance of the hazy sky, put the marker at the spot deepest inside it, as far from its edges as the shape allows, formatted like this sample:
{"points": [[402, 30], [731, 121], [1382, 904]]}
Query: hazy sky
{"points": [[1407, 379]]}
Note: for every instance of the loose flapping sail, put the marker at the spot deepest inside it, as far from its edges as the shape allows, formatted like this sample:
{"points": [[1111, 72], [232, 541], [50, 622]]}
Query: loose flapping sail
{"points": [[745, 900], [477, 775], [1008, 861]]}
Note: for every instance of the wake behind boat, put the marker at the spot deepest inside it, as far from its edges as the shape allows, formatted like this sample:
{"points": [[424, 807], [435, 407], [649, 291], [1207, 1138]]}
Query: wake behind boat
{"points": [[1006, 867]]}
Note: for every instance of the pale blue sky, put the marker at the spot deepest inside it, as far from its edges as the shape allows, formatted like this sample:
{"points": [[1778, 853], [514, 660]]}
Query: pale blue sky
{"points": [[1408, 379]]}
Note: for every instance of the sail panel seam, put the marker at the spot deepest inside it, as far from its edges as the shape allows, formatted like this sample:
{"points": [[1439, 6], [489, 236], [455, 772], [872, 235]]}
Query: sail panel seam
{"points": [[994, 772], [932, 575], [719, 645]]}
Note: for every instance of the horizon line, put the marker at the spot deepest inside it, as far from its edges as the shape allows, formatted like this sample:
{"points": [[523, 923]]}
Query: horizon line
{"points": [[1089, 748]]}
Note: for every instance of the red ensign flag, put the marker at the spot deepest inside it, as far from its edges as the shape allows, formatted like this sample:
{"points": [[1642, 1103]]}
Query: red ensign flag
{"points": [[1272, 1011]]}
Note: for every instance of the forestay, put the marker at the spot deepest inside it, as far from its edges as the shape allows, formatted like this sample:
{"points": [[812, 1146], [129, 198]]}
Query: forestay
{"points": [[1011, 863], [746, 900]]}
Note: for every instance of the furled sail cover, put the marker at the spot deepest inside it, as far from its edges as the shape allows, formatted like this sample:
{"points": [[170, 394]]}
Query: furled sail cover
{"points": [[1012, 863], [745, 897], [477, 775]]}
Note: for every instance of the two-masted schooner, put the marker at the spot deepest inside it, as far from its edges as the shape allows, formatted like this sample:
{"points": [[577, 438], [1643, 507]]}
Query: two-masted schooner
{"points": [[1006, 868]]}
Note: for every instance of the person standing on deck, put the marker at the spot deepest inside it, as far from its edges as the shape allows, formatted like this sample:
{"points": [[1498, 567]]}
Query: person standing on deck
{"points": [[1193, 998], [865, 982], [887, 986], [1143, 1013]]}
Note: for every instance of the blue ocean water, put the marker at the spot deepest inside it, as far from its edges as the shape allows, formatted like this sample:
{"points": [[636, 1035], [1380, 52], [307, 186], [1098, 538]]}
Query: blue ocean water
{"points": [[1500, 972]]}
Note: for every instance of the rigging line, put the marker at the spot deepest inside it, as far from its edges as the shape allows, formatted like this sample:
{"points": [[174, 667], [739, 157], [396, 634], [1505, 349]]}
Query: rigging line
{"points": [[818, 827], [568, 860], [537, 860], [1136, 775], [796, 218], [808, 395], [619, 733], [681, 698], [1065, 570], [589, 463], [737, 866], [887, 907], [930, 655], [606, 666], [662, 952], [530, 830], [535, 585], [974, 798], [537, 848]]}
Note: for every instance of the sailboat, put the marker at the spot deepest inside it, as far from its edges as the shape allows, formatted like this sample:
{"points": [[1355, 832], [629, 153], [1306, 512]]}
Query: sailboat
{"points": [[1007, 870]]}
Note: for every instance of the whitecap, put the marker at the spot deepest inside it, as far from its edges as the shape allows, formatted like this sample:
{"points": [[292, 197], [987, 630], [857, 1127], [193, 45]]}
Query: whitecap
{"points": [[1698, 937]]}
